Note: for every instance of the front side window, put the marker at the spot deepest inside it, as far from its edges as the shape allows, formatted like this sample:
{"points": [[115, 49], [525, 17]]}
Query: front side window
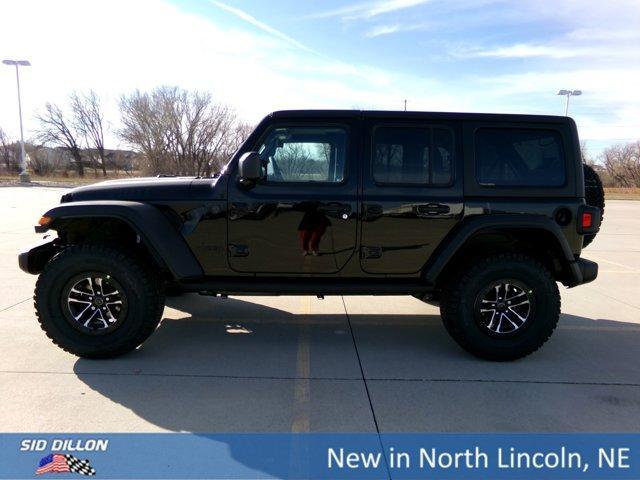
{"points": [[412, 155], [519, 157], [304, 154]]}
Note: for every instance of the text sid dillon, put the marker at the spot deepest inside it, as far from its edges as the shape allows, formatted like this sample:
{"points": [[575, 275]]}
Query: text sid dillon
{"points": [[64, 445]]}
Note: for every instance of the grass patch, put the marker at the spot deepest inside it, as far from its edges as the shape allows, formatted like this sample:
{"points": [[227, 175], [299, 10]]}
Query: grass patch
{"points": [[63, 181], [619, 193]]}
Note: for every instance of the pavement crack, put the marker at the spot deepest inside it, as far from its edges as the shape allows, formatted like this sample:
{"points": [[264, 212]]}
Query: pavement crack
{"points": [[366, 387], [330, 379], [14, 305]]}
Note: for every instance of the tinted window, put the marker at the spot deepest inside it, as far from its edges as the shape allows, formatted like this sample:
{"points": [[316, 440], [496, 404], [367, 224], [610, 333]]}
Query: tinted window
{"points": [[304, 154], [412, 155], [519, 157]]}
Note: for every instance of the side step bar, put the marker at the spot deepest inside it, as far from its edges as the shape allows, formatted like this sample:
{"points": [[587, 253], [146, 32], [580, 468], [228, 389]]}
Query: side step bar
{"points": [[305, 286]]}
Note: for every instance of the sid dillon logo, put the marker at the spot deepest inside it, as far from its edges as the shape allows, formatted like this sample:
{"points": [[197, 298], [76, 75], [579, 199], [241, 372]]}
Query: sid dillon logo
{"points": [[60, 463], [61, 459]]}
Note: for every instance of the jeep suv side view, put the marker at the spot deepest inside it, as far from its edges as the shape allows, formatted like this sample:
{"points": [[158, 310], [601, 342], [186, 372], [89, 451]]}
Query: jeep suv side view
{"points": [[480, 213]]}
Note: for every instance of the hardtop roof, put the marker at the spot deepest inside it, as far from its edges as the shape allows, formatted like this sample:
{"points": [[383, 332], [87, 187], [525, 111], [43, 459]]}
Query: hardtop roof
{"points": [[399, 114]]}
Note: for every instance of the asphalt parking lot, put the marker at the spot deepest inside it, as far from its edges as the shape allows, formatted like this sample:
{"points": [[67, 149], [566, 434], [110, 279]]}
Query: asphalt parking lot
{"points": [[343, 364]]}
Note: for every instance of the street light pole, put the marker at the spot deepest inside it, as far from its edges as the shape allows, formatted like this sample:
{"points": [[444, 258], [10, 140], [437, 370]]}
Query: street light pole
{"points": [[568, 94], [24, 175]]}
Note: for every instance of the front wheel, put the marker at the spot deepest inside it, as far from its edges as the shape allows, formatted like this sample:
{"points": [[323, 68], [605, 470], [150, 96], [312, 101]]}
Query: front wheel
{"points": [[503, 308], [97, 302]]}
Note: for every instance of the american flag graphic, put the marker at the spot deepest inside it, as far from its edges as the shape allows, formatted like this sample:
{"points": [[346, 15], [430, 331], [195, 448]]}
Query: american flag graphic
{"points": [[59, 463]]}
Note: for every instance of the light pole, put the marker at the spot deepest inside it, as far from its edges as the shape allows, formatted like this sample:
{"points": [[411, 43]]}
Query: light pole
{"points": [[24, 176], [569, 94]]}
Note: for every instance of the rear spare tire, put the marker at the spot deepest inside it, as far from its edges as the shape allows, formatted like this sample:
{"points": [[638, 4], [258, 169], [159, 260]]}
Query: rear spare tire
{"points": [[593, 194]]}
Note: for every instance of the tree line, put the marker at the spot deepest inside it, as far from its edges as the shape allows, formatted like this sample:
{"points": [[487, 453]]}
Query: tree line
{"points": [[618, 165], [173, 131], [170, 130]]}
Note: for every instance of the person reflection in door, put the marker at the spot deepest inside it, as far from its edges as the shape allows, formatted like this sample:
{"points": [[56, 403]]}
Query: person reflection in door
{"points": [[312, 227]]}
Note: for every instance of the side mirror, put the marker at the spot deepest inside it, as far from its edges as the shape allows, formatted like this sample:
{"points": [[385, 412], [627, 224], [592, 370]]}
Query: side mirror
{"points": [[250, 166]]}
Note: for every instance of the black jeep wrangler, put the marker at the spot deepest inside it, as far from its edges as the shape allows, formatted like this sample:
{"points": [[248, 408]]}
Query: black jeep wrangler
{"points": [[480, 213]]}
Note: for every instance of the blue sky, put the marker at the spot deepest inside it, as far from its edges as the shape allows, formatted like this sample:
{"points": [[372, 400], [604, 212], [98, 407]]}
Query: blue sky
{"points": [[256, 55]]}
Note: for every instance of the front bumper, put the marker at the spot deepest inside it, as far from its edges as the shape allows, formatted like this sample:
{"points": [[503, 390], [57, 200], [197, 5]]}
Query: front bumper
{"points": [[33, 259]]}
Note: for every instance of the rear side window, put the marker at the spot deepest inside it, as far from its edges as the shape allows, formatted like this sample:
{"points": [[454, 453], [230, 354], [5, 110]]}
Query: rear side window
{"points": [[412, 155], [519, 157]]}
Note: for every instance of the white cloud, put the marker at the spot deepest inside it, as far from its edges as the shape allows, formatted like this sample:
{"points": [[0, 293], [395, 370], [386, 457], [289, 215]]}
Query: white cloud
{"points": [[369, 9], [261, 25], [381, 30], [521, 50]]}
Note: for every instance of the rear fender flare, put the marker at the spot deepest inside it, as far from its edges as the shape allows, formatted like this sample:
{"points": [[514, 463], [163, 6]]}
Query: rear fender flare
{"points": [[475, 224]]}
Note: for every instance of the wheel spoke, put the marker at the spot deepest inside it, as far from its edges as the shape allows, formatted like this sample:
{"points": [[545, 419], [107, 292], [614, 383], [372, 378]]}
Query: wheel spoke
{"points": [[104, 322], [90, 280], [75, 290], [492, 319], [515, 325], [75, 300], [524, 302], [516, 296], [523, 319], [86, 324]]}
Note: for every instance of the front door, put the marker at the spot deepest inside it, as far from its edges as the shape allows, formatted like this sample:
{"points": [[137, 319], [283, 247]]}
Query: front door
{"points": [[412, 196], [301, 217]]}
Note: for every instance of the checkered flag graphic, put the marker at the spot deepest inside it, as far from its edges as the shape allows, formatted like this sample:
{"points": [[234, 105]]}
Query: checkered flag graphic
{"points": [[83, 467]]}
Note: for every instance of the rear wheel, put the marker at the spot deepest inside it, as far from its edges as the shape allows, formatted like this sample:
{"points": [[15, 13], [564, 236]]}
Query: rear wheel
{"points": [[503, 308], [97, 302]]}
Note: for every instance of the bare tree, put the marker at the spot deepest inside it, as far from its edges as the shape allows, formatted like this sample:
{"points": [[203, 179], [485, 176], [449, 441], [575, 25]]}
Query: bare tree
{"points": [[144, 127], [57, 130], [293, 160], [179, 132], [231, 141], [622, 163], [88, 120], [9, 153]]}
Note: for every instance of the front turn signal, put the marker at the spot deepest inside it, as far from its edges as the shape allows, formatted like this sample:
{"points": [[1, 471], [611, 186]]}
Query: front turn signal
{"points": [[44, 221]]}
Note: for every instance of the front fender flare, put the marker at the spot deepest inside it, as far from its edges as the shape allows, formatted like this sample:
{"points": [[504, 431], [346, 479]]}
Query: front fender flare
{"points": [[154, 229]]}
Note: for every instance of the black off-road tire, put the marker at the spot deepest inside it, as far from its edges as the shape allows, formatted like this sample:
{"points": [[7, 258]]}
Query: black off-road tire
{"points": [[459, 312], [143, 293], [594, 196]]}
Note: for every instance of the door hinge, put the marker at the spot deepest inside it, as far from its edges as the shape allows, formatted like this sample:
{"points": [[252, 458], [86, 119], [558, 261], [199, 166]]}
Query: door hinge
{"points": [[371, 252], [238, 250]]}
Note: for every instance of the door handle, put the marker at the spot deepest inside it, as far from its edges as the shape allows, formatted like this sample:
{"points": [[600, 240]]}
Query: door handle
{"points": [[372, 211], [338, 210], [432, 209]]}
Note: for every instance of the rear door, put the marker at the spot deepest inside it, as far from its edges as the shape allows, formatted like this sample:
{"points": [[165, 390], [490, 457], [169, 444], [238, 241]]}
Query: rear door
{"points": [[412, 192]]}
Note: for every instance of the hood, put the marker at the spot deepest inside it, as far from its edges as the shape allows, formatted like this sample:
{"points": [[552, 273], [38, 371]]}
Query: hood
{"points": [[140, 189]]}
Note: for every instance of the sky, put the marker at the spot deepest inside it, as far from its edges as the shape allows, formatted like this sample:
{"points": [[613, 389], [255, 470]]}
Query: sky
{"points": [[259, 56]]}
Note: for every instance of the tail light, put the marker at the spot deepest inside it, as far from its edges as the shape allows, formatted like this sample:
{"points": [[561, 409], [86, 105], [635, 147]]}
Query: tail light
{"points": [[588, 219]]}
